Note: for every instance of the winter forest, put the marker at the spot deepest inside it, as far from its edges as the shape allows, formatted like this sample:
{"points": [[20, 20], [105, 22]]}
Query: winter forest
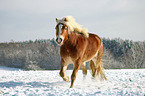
{"points": [[44, 54]]}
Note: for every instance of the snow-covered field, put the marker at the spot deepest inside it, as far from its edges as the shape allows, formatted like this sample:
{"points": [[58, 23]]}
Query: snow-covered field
{"points": [[125, 82]]}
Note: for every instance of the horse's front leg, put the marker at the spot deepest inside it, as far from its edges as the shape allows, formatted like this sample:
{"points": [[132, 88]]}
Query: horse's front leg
{"points": [[62, 71], [75, 71]]}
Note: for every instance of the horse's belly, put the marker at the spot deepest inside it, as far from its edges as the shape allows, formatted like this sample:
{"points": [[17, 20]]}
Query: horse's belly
{"points": [[89, 55]]}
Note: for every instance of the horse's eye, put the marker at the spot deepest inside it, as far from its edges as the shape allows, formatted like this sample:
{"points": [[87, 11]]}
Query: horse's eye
{"points": [[65, 28]]}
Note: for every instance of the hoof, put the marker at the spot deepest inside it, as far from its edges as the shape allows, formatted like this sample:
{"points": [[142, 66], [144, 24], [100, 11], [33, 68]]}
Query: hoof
{"points": [[84, 77], [71, 86], [66, 79], [94, 79]]}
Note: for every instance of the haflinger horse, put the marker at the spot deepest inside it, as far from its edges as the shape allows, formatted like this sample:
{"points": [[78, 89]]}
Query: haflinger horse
{"points": [[77, 46]]}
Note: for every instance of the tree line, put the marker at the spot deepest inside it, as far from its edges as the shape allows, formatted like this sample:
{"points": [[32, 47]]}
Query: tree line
{"points": [[44, 54]]}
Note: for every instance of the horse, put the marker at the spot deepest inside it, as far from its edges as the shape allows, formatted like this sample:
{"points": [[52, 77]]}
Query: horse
{"points": [[78, 48]]}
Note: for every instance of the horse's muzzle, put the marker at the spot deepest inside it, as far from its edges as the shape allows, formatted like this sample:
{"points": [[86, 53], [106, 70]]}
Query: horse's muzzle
{"points": [[59, 40]]}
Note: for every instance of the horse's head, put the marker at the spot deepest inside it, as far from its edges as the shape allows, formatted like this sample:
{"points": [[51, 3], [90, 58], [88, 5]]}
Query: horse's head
{"points": [[61, 32]]}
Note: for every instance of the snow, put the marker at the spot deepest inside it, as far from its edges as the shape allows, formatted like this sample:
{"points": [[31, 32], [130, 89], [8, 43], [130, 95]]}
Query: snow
{"points": [[124, 82]]}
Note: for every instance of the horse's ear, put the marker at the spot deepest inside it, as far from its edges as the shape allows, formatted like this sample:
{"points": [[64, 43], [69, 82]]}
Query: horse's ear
{"points": [[65, 19], [56, 19]]}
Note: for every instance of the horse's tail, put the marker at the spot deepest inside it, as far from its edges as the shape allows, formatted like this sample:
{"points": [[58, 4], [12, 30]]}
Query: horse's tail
{"points": [[100, 71], [97, 69]]}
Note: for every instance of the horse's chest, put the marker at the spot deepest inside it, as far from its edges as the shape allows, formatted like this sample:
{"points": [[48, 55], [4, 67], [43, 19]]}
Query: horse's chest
{"points": [[69, 54]]}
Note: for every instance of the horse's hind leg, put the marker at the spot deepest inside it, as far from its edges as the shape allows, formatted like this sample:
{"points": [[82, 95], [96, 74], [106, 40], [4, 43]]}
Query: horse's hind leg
{"points": [[93, 68], [97, 67], [84, 69], [62, 71]]}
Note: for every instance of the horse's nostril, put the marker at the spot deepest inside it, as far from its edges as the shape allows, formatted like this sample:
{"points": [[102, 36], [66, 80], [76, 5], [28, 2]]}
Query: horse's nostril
{"points": [[58, 40]]}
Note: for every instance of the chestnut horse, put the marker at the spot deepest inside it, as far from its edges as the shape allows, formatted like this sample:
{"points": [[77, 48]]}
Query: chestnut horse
{"points": [[76, 48]]}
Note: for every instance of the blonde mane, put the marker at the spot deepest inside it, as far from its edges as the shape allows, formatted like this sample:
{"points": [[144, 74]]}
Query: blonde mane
{"points": [[73, 25]]}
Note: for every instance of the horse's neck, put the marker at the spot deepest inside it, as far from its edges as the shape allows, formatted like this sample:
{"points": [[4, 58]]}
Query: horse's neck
{"points": [[73, 38]]}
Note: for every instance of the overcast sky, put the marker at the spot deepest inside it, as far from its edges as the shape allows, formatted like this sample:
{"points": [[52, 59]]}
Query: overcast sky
{"points": [[22, 20]]}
